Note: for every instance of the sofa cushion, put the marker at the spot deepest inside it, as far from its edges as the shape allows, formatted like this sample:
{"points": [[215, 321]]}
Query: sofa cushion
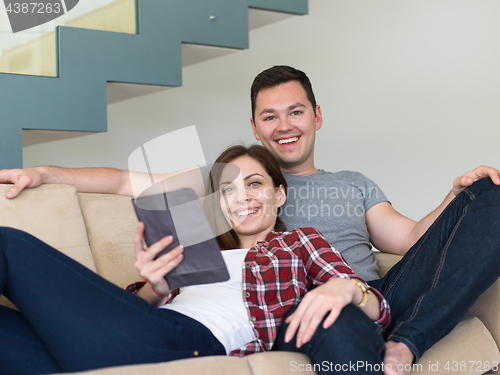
{"points": [[385, 262], [461, 359], [52, 214], [111, 225], [486, 309], [275, 363]]}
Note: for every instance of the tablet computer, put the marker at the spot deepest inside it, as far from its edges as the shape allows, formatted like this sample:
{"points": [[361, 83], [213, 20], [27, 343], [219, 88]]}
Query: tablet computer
{"points": [[179, 213]]}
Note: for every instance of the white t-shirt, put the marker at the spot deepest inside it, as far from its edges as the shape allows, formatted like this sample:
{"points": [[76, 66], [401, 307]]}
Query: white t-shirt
{"points": [[219, 306]]}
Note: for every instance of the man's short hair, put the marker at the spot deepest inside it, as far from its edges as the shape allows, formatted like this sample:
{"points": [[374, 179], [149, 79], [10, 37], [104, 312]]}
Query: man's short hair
{"points": [[278, 75]]}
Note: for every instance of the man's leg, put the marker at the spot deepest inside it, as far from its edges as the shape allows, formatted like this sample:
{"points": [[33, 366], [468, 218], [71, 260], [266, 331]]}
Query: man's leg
{"points": [[84, 321], [351, 344], [443, 274]]}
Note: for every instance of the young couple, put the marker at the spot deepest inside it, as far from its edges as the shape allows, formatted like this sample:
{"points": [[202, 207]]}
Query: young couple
{"points": [[429, 290]]}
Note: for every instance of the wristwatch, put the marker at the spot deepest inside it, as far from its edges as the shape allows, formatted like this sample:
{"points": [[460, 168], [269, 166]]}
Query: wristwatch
{"points": [[365, 291]]}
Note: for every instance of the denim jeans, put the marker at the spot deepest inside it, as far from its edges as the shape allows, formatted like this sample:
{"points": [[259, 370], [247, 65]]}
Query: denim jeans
{"points": [[449, 267], [429, 290], [71, 319], [353, 344]]}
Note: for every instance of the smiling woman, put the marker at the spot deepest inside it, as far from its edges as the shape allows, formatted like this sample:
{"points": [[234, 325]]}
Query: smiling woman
{"points": [[249, 200], [246, 190]]}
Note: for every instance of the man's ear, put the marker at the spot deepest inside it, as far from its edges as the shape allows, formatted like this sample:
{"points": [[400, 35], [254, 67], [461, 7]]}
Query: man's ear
{"points": [[319, 118], [254, 129]]}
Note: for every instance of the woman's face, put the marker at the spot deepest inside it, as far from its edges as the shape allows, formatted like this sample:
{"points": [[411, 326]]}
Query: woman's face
{"points": [[250, 202]]}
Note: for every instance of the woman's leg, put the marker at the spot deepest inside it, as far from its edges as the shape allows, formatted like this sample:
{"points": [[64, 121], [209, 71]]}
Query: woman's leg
{"points": [[21, 350], [85, 321], [352, 344]]}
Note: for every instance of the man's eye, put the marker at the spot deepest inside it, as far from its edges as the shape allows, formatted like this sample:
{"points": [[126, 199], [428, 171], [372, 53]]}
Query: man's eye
{"points": [[269, 118], [295, 113]]}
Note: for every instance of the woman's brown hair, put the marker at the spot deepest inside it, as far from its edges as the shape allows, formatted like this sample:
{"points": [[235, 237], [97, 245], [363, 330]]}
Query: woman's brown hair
{"points": [[228, 239]]}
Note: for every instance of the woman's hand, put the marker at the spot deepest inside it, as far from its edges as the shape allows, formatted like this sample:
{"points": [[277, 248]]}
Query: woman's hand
{"points": [[329, 298], [154, 270]]}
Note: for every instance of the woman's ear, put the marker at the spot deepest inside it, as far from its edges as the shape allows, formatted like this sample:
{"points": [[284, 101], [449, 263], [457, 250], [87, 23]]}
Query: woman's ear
{"points": [[281, 195]]}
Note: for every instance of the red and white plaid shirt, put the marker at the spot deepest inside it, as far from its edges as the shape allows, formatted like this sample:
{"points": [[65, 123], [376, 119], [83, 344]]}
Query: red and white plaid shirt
{"points": [[279, 271]]}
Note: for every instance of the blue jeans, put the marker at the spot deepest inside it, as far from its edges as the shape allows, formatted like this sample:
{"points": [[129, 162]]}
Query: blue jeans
{"points": [[449, 267], [429, 290], [353, 344], [71, 319]]}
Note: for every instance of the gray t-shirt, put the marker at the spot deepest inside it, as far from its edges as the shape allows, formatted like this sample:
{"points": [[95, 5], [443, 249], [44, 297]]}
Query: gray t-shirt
{"points": [[335, 204]]}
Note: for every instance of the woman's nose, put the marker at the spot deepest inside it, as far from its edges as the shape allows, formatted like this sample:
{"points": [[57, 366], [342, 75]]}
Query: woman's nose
{"points": [[242, 197]]}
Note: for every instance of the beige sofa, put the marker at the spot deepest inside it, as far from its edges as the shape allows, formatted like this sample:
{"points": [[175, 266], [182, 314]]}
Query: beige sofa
{"points": [[97, 230]]}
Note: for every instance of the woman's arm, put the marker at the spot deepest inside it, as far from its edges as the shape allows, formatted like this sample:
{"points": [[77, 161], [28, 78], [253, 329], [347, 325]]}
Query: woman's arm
{"points": [[156, 290], [326, 268], [323, 262], [327, 300]]}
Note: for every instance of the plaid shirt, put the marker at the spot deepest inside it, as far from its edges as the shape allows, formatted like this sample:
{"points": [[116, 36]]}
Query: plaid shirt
{"points": [[278, 272]]}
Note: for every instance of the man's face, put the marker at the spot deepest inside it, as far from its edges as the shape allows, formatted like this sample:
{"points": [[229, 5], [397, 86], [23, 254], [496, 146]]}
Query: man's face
{"points": [[286, 124]]}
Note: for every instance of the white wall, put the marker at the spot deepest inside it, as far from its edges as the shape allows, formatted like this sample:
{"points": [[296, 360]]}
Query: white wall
{"points": [[410, 95]]}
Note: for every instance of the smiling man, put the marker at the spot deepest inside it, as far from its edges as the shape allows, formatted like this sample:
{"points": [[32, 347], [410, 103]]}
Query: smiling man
{"points": [[285, 119], [353, 213]]}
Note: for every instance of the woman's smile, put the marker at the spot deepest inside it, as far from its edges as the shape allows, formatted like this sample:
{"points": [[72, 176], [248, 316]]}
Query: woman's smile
{"points": [[250, 201]]}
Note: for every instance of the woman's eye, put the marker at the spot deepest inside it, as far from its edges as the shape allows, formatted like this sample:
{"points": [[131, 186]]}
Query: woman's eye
{"points": [[227, 190], [254, 184]]}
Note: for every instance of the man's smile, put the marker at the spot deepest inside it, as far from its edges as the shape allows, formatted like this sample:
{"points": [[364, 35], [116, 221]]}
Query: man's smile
{"points": [[283, 141]]}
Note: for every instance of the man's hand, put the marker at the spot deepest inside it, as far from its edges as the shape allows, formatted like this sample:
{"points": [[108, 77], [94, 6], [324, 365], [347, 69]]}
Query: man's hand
{"points": [[329, 298], [21, 178], [469, 178]]}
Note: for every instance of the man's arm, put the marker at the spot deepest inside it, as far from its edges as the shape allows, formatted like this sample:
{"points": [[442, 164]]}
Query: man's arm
{"points": [[394, 233], [99, 180]]}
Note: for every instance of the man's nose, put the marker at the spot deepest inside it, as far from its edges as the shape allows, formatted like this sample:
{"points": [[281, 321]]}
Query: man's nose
{"points": [[284, 124]]}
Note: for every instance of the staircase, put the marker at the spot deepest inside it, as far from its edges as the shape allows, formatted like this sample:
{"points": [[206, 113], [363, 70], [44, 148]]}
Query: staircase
{"points": [[94, 67]]}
